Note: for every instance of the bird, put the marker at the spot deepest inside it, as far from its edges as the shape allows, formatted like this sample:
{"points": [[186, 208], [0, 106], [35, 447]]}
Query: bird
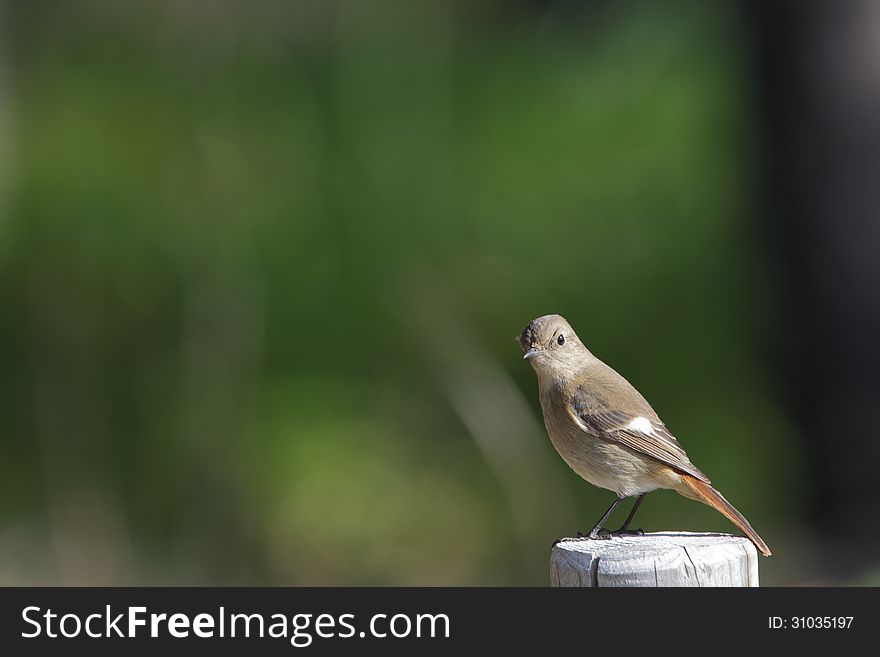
{"points": [[608, 433]]}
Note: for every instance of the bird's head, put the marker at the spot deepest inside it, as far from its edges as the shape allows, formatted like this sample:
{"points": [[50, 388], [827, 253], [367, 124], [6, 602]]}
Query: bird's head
{"points": [[549, 343]]}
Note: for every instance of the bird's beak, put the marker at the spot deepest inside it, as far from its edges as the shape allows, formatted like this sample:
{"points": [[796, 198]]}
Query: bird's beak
{"points": [[531, 353]]}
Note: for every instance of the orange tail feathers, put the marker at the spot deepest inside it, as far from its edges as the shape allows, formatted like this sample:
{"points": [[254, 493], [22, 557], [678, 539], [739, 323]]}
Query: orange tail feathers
{"points": [[703, 492]]}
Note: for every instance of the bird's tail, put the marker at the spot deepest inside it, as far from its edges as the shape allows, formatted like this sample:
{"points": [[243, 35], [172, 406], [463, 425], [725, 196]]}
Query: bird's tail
{"points": [[700, 490]]}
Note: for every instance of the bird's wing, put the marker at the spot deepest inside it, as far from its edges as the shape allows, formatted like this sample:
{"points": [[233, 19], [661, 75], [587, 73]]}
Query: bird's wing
{"points": [[640, 433]]}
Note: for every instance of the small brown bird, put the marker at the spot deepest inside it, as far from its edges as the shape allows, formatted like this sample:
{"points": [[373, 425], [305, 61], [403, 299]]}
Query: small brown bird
{"points": [[606, 431]]}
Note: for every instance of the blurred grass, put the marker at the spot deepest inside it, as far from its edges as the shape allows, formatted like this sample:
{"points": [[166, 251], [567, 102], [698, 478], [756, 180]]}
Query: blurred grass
{"points": [[219, 220]]}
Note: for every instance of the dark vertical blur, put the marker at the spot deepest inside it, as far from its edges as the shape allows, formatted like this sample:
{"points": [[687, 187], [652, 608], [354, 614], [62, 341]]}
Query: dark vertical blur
{"points": [[818, 72]]}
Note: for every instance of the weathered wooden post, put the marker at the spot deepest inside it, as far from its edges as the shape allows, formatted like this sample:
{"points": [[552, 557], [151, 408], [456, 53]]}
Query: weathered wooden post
{"points": [[655, 559]]}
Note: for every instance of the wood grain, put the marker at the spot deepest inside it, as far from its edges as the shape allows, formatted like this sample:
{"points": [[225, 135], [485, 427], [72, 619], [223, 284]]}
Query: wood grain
{"points": [[655, 559]]}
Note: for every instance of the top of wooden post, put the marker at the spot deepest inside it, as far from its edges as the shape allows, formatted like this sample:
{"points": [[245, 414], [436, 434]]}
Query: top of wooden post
{"points": [[655, 559]]}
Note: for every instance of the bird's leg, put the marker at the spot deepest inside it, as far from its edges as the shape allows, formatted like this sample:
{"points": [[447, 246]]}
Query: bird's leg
{"points": [[594, 532], [624, 528]]}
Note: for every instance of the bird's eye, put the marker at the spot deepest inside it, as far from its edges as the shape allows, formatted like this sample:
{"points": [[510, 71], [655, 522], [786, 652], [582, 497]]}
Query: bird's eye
{"points": [[560, 340]]}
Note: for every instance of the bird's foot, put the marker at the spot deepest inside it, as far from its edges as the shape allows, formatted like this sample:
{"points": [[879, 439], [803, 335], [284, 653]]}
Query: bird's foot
{"points": [[599, 535], [625, 531], [595, 534]]}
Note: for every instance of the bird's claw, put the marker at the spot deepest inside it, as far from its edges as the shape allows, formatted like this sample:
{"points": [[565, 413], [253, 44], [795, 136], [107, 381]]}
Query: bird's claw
{"points": [[628, 532], [593, 535], [599, 535]]}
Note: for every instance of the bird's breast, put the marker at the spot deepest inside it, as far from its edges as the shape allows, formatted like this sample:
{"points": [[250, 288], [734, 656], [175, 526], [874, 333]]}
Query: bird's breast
{"points": [[601, 462]]}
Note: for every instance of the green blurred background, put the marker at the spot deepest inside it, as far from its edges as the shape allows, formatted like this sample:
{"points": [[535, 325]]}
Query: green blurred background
{"points": [[262, 267]]}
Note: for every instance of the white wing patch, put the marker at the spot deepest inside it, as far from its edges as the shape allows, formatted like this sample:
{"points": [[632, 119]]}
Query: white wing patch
{"points": [[642, 425], [578, 421]]}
